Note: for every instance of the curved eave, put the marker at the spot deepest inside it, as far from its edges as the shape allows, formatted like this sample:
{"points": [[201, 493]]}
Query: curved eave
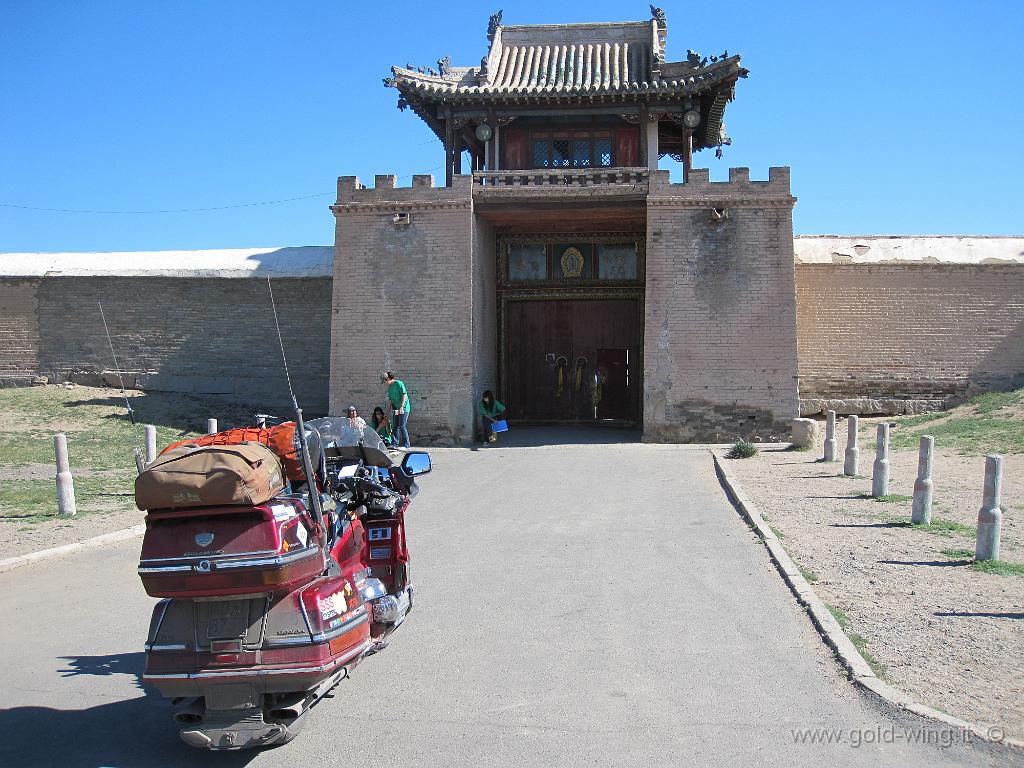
{"points": [[442, 90]]}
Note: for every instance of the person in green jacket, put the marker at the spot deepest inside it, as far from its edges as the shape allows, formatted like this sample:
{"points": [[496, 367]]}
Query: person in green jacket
{"points": [[399, 397], [491, 410]]}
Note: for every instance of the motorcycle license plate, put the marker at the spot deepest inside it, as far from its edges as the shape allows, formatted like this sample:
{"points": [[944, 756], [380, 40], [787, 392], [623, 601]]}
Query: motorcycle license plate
{"points": [[227, 619]]}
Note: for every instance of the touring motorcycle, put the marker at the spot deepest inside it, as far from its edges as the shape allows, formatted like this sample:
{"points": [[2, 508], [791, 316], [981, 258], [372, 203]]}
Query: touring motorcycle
{"points": [[267, 606]]}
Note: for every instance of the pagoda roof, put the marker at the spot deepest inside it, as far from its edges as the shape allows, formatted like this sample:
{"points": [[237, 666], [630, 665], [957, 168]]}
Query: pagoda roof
{"points": [[613, 63]]}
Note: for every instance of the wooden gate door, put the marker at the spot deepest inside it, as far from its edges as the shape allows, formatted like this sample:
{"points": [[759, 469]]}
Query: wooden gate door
{"points": [[554, 348]]}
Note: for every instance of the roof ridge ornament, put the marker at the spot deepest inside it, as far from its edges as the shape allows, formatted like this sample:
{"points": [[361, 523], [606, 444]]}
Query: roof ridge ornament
{"points": [[658, 15], [493, 24]]}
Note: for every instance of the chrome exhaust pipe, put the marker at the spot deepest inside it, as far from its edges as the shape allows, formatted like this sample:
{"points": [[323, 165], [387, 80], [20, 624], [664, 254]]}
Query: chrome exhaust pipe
{"points": [[193, 712]]}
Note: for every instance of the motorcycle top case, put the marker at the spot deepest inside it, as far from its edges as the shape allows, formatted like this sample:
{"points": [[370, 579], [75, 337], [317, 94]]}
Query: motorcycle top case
{"points": [[205, 476], [267, 547]]}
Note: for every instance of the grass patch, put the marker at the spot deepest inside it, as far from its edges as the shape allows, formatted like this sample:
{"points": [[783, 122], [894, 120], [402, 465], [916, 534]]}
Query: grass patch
{"points": [[959, 554], [100, 435], [987, 423], [741, 449], [799, 448], [893, 498], [858, 641], [937, 527], [810, 576], [923, 418], [889, 498], [862, 647], [1000, 567], [34, 501], [100, 442], [841, 618], [989, 402]]}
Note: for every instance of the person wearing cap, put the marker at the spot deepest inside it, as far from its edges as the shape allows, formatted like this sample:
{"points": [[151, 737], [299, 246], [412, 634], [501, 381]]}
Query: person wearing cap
{"points": [[355, 420]]}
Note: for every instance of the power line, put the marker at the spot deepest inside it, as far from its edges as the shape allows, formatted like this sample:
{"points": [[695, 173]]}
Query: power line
{"points": [[166, 210], [187, 210]]}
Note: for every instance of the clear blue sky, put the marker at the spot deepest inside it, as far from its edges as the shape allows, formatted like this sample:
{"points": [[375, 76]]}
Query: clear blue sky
{"points": [[896, 117]]}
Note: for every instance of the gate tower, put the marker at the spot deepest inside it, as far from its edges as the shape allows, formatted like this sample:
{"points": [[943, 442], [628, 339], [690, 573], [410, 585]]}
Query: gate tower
{"points": [[558, 266]]}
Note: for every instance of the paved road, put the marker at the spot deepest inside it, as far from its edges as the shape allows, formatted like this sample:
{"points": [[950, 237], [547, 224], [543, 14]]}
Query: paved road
{"points": [[576, 605]]}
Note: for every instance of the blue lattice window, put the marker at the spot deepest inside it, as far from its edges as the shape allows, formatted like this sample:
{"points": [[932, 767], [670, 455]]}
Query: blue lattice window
{"points": [[560, 156], [603, 151], [581, 154], [540, 154]]}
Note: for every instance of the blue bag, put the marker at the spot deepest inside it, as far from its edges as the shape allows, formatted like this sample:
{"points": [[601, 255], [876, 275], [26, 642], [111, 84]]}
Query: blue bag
{"points": [[499, 426]]}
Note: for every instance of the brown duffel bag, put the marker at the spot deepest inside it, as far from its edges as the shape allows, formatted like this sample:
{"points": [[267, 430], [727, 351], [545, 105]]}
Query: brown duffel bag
{"points": [[208, 476]]}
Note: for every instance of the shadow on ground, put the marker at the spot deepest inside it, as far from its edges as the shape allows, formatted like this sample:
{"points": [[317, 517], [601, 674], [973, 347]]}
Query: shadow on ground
{"points": [[135, 732], [536, 437]]}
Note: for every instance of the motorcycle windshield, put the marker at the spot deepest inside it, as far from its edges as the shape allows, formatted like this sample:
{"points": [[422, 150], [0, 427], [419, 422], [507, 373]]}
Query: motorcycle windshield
{"points": [[340, 438]]}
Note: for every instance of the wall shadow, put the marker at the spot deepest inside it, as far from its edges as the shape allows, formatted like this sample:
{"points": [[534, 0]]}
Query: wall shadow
{"points": [[537, 437]]}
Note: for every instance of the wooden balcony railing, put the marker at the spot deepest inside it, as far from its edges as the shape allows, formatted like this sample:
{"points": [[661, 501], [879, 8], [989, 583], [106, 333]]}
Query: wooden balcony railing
{"points": [[561, 177]]}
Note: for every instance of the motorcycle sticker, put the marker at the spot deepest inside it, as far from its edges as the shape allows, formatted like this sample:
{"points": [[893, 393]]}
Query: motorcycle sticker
{"points": [[379, 534], [380, 553]]}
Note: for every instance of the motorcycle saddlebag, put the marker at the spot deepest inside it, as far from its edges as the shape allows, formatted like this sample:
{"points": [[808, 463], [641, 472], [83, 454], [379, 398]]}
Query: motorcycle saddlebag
{"points": [[270, 547], [208, 476]]}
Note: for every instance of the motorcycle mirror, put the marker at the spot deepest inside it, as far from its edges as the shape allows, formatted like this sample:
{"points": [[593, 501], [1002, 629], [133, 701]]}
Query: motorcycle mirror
{"points": [[416, 463]]}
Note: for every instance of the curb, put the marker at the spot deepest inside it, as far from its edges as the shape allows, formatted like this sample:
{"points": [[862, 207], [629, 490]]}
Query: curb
{"points": [[96, 541], [835, 638]]}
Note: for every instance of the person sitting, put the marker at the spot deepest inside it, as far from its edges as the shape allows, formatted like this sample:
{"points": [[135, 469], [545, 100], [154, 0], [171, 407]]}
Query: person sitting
{"points": [[382, 426], [355, 421], [491, 410]]}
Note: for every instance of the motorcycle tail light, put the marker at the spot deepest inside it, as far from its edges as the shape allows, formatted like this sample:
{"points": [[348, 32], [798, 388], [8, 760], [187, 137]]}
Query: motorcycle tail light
{"points": [[327, 603]]}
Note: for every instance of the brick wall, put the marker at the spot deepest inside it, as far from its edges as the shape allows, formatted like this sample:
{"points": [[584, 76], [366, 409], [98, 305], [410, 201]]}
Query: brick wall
{"points": [[720, 326], [404, 301], [485, 322], [892, 337], [19, 331], [183, 334]]}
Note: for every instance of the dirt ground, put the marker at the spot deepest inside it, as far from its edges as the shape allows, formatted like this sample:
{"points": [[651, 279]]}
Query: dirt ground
{"points": [[948, 635]]}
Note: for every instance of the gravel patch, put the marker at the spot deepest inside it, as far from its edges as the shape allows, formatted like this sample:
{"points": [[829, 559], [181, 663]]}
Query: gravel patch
{"points": [[949, 636]]}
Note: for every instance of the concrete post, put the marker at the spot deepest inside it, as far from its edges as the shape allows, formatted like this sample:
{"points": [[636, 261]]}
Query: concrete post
{"points": [[852, 451], [211, 426], [880, 469], [830, 436], [990, 518], [65, 483], [921, 513], [150, 444]]}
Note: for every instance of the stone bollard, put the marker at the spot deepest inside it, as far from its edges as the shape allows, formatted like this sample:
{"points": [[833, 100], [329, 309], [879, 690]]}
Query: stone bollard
{"points": [[805, 432], [65, 483], [990, 517], [850, 465], [830, 436], [880, 469], [921, 513], [150, 444], [211, 426]]}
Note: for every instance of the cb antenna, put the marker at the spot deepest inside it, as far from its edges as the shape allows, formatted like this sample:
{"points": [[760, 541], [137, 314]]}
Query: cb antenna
{"points": [[117, 368], [300, 426], [284, 359]]}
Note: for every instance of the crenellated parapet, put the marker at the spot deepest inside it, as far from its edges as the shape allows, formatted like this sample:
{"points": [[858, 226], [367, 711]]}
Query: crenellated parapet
{"points": [[385, 193], [739, 190]]}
